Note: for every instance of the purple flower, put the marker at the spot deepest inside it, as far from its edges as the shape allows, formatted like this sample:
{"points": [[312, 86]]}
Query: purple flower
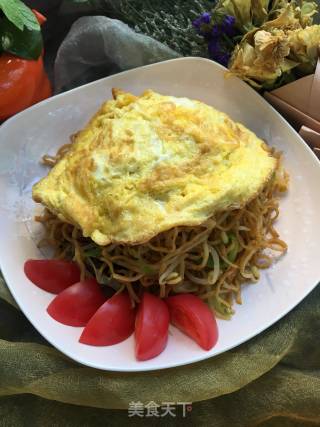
{"points": [[216, 31], [228, 25], [218, 52], [229, 20], [223, 58], [214, 47], [202, 20]]}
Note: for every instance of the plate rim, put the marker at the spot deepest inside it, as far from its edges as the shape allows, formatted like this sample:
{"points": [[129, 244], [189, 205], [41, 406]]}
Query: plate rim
{"points": [[204, 355]]}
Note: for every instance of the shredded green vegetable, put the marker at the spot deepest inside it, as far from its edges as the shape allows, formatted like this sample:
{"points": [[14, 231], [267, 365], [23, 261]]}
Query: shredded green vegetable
{"points": [[108, 281], [92, 250], [232, 251], [224, 237], [210, 262], [216, 305], [233, 248], [147, 269]]}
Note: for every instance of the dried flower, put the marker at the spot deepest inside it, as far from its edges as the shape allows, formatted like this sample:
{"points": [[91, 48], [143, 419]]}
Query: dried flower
{"points": [[218, 52], [201, 23], [218, 32], [304, 45], [223, 58], [265, 43], [228, 25]]}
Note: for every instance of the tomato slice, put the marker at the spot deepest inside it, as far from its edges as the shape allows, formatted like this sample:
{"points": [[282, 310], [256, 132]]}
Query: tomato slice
{"points": [[151, 327], [112, 323], [77, 304], [194, 318], [52, 275]]}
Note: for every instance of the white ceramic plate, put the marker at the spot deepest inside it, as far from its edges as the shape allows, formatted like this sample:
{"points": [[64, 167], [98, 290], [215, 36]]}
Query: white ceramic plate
{"points": [[46, 126]]}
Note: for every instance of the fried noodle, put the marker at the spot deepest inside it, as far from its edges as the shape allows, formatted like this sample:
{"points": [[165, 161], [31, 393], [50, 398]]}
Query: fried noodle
{"points": [[212, 260]]}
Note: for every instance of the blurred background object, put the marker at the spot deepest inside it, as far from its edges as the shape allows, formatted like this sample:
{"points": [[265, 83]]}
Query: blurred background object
{"points": [[23, 80]]}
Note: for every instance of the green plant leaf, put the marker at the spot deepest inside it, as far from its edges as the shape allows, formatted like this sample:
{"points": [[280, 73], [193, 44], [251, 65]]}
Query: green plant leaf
{"points": [[19, 14], [26, 44]]}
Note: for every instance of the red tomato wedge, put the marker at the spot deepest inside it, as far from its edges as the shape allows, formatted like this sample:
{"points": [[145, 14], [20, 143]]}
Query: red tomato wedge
{"points": [[77, 304], [151, 327], [194, 318], [52, 275], [112, 323]]}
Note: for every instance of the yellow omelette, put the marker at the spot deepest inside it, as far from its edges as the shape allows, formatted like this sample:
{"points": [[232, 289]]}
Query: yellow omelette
{"points": [[145, 164]]}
